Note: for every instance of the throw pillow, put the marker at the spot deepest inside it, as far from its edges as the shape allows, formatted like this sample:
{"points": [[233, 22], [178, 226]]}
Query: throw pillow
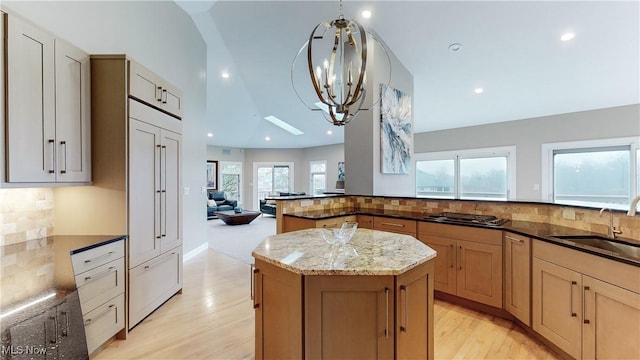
{"points": [[211, 203]]}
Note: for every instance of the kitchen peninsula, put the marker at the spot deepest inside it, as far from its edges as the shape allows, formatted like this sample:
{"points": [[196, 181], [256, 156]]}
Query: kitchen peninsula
{"points": [[370, 298]]}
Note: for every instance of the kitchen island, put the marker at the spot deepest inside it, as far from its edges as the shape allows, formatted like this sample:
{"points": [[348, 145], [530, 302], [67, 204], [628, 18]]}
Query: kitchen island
{"points": [[370, 298]]}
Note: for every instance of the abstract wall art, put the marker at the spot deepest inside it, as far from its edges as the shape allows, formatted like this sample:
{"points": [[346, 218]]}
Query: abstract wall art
{"points": [[396, 131]]}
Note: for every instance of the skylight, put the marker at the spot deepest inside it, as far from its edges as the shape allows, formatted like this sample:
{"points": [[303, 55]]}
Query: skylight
{"points": [[283, 125]]}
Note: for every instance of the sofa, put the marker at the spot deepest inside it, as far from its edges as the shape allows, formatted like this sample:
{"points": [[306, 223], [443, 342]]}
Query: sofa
{"points": [[267, 208], [217, 201]]}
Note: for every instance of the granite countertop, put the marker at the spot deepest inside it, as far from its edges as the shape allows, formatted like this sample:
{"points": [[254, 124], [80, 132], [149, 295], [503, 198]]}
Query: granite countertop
{"points": [[369, 252], [539, 231]]}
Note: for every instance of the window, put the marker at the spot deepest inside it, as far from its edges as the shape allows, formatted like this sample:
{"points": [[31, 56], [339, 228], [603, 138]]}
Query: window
{"points": [[272, 178], [595, 173], [318, 177], [487, 174], [231, 176]]}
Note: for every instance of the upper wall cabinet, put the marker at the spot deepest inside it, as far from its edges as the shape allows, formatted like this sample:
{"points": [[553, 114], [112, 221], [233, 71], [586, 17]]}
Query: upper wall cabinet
{"points": [[48, 117], [153, 90]]}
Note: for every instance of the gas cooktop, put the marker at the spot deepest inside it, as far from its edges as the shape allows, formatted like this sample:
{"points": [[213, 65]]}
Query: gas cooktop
{"points": [[487, 220]]}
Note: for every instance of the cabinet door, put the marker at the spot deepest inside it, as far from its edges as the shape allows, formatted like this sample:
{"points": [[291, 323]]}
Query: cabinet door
{"points": [[445, 262], [365, 221], [414, 313], [557, 305], [480, 272], [517, 276], [170, 184], [73, 131], [153, 283], [611, 324], [144, 192], [349, 317], [30, 103], [153, 90], [278, 310]]}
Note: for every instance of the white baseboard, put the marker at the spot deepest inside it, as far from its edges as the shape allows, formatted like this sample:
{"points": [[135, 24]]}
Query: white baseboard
{"points": [[194, 252]]}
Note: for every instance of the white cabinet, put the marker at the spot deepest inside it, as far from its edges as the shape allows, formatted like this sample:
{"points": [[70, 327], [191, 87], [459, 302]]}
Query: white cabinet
{"points": [[100, 278], [149, 88], [47, 122]]}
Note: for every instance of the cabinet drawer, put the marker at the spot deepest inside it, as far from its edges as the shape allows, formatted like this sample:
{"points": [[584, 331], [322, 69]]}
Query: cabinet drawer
{"points": [[95, 257], [468, 233], [152, 283], [98, 285], [104, 322], [394, 225], [333, 222]]}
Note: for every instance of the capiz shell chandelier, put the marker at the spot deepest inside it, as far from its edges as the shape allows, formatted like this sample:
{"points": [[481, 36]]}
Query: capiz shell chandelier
{"points": [[337, 61]]}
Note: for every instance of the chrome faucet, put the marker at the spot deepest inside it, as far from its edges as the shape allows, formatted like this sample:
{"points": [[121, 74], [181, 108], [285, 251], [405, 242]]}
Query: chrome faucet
{"points": [[611, 231], [633, 206]]}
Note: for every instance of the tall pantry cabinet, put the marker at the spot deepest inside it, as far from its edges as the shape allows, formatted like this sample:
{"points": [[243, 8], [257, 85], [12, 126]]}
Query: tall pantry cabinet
{"points": [[137, 150]]}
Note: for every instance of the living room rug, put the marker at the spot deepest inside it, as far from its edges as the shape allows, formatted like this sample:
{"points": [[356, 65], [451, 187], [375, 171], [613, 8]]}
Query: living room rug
{"points": [[238, 241]]}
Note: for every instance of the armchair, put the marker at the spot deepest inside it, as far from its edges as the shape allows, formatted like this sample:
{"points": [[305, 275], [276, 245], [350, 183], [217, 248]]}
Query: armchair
{"points": [[217, 201]]}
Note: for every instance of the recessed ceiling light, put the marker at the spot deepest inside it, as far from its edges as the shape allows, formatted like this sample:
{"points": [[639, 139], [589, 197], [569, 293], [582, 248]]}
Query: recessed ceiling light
{"points": [[366, 14], [478, 90], [329, 132], [455, 47], [210, 134], [567, 36], [225, 75], [283, 125], [266, 138]]}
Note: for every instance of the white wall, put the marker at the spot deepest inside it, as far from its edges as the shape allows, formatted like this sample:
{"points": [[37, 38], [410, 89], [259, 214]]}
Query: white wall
{"points": [[160, 36], [528, 135]]}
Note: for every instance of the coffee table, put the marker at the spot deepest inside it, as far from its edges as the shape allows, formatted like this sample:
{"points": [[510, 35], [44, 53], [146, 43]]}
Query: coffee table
{"points": [[233, 218]]}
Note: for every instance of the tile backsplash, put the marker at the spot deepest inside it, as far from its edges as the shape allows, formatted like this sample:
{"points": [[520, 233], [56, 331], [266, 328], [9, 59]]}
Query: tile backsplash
{"points": [[25, 214]]}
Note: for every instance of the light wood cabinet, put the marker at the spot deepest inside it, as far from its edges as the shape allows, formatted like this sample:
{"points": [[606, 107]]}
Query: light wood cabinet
{"points": [[48, 97], [278, 308], [400, 226], [365, 221], [151, 89], [293, 223], [343, 317], [517, 276], [100, 278], [586, 305], [469, 262]]}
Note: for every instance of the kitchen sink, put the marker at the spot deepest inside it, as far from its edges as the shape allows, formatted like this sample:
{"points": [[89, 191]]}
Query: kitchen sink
{"points": [[603, 244]]}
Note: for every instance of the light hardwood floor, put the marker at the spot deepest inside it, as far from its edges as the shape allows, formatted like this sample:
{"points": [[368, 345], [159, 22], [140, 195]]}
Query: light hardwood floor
{"points": [[213, 319]]}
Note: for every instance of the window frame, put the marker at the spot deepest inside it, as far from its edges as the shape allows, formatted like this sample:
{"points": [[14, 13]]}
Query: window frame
{"points": [[508, 151], [240, 176], [312, 173], [547, 164]]}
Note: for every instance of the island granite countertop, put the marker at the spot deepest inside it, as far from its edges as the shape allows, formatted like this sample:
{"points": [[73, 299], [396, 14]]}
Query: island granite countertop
{"points": [[369, 252]]}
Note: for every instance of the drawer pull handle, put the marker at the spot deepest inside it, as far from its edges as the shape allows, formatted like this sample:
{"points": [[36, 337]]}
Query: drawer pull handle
{"points": [[100, 257], [584, 305], [573, 314], [513, 239], [90, 320], [392, 224], [52, 142], [102, 274], [386, 326], [330, 225], [405, 328], [147, 267], [159, 93]]}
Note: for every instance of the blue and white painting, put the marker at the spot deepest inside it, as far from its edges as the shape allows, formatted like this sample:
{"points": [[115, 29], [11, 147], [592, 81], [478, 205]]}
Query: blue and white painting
{"points": [[396, 131]]}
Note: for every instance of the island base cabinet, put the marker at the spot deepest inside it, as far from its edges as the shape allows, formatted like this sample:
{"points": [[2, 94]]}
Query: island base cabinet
{"points": [[349, 317], [611, 324], [277, 301], [414, 313]]}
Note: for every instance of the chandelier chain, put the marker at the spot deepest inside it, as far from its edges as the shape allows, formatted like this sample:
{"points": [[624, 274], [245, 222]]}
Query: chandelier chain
{"points": [[341, 8]]}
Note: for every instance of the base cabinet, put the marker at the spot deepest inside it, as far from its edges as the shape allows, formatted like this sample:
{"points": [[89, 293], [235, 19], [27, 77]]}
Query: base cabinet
{"points": [[343, 317], [586, 317], [469, 262], [517, 276]]}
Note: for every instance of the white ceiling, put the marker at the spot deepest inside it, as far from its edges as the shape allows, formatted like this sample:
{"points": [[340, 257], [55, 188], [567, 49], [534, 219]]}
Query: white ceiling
{"points": [[510, 48]]}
